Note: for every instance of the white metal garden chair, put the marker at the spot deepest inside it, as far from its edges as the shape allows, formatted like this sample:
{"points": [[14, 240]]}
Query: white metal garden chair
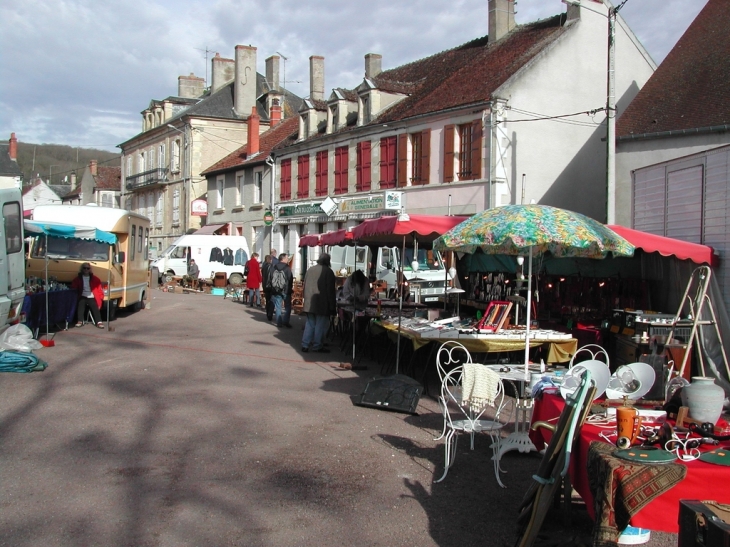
{"points": [[450, 355], [590, 351], [467, 393]]}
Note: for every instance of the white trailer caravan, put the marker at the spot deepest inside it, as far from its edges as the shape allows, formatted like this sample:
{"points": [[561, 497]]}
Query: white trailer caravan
{"points": [[12, 258], [427, 282], [212, 254]]}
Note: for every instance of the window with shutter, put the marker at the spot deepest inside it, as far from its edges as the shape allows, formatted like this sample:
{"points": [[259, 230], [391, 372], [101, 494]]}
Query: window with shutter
{"points": [[476, 149], [303, 176], [420, 157], [321, 173], [176, 207], [465, 151], [387, 162], [158, 212], [363, 166], [341, 160], [449, 153], [402, 160], [285, 190]]}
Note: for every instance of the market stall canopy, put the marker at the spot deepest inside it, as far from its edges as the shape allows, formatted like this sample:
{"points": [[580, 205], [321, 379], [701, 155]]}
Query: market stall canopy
{"points": [[425, 228], [338, 237], [68, 231], [209, 229], [666, 246], [309, 240]]}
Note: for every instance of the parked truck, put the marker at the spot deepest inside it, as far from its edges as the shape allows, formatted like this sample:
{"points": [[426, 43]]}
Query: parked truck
{"points": [[12, 258], [427, 282], [122, 267], [212, 254]]}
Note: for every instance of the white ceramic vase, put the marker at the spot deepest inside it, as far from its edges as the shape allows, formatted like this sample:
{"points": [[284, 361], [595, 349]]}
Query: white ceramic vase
{"points": [[705, 399]]}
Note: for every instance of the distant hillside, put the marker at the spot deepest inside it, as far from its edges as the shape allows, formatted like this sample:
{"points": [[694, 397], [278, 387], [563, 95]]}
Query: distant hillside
{"points": [[59, 161]]}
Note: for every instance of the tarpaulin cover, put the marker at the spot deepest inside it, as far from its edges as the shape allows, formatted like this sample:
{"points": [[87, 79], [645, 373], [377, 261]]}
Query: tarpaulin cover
{"points": [[68, 231], [424, 227], [338, 237], [666, 246], [309, 240]]}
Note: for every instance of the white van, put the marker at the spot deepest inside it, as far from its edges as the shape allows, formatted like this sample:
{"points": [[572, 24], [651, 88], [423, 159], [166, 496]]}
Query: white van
{"points": [[427, 283], [12, 258], [212, 254]]}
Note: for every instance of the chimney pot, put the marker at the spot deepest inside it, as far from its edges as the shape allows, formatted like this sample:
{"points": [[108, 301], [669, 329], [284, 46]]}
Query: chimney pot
{"points": [[316, 78], [190, 87], [222, 71], [501, 19], [92, 167], [13, 147], [272, 72], [373, 65], [244, 87], [253, 132]]}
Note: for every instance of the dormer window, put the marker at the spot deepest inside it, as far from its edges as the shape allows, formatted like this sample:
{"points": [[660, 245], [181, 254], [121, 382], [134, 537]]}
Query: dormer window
{"points": [[334, 113]]}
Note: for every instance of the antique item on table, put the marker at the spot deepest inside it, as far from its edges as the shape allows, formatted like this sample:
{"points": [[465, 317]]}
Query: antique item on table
{"points": [[632, 381], [495, 316], [704, 399], [600, 375], [646, 454], [628, 426], [718, 456]]}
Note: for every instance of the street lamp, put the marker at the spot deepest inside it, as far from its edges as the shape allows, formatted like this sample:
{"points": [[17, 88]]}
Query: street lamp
{"points": [[610, 105], [184, 199]]}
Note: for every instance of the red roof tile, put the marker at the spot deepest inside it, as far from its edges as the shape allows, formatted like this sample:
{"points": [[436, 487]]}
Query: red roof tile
{"points": [[267, 141], [109, 178], [691, 88]]}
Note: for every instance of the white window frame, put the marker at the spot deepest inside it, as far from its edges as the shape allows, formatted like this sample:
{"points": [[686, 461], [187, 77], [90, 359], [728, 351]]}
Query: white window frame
{"points": [[176, 207], [141, 161], [161, 156], [219, 186], [258, 185], [240, 182], [150, 213], [106, 199], [160, 209], [175, 156]]}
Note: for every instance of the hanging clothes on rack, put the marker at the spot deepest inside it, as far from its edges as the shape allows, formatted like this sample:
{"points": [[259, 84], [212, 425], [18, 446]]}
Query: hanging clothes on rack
{"points": [[228, 256], [240, 258], [216, 255]]}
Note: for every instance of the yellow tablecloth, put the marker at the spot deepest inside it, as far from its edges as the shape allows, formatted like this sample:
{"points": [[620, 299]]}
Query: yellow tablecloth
{"points": [[559, 351]]}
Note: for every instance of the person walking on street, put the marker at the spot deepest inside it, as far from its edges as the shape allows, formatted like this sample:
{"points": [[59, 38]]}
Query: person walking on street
{"points": [[91, 295], [253, 280], [280, 283], [274, 259], [319, 304], [265, 271]]}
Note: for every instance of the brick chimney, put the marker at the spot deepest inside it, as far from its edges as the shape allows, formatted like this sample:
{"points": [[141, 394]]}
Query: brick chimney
{"points": [[373, 65], [222, 71], [13, 147], [92, 167], [190, 87], [244, 87], [501, 18], [316, 78], [272, 72], [253, 132], [275, 113]]}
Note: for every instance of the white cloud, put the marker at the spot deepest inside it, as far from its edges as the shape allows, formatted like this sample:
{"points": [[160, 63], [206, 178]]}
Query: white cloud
{"points": [[80, 71]]}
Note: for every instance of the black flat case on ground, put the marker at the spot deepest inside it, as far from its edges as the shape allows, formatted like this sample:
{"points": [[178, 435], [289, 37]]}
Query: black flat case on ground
{"points": [[700, 526]]}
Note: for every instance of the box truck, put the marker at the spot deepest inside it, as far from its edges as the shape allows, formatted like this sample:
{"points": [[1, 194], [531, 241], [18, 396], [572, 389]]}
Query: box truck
{"points": [[427, 282], [212, 254], [122, 267], [12, 258]]}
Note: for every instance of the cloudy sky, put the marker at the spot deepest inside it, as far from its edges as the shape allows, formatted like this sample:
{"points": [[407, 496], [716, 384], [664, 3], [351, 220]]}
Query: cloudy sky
{"points": [[79, 72]]}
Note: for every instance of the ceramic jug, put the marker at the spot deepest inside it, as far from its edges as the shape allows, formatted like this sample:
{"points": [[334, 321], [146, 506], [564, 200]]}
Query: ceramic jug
{"points": [[704, 399]]}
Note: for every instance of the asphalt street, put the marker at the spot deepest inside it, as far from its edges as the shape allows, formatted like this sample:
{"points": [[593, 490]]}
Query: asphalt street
{"points": [[196, 422]]}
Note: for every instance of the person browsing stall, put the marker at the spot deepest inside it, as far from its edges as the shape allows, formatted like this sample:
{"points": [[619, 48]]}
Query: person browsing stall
{"points": [[193, 272], [253, 280], [90, 296], [265, 271], [319, 304], [356, 290]]}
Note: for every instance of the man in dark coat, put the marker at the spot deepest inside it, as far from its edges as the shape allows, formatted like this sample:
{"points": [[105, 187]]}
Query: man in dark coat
{"points": [[265, 271], [281, 297], [319, 304]]}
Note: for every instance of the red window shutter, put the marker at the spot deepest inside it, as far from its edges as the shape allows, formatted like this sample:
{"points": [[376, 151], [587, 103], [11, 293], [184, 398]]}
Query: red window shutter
{"points": [[387, 162], [476, 149], [285, 180], [321, 173], [341, 161], [449, 153], [403, 160], [303, 177], [365, 171], [425, 158]]}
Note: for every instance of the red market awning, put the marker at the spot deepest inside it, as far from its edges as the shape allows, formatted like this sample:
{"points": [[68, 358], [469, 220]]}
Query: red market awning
{"points": [[424, 227], [309, 240], [338, 237], [666, 246]]}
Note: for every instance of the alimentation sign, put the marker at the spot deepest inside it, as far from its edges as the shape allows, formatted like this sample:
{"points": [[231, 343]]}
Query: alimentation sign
{"points": [[374, 202]]}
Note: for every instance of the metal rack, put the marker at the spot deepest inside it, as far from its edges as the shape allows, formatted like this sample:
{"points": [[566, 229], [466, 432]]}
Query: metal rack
{"points": [[695, 305]]}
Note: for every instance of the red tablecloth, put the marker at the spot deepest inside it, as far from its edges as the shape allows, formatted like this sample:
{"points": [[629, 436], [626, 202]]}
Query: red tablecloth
{"points": [[704, 481]]}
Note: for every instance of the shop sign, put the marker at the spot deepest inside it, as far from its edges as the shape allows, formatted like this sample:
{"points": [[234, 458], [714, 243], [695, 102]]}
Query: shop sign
{"points": [[373, 202], [328, 206], [199, 208], [301, 209], [268, 218]]}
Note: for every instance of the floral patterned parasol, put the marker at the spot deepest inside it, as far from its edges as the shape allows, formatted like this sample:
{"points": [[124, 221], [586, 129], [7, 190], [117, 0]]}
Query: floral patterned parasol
{"points": [[515, 229]]}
